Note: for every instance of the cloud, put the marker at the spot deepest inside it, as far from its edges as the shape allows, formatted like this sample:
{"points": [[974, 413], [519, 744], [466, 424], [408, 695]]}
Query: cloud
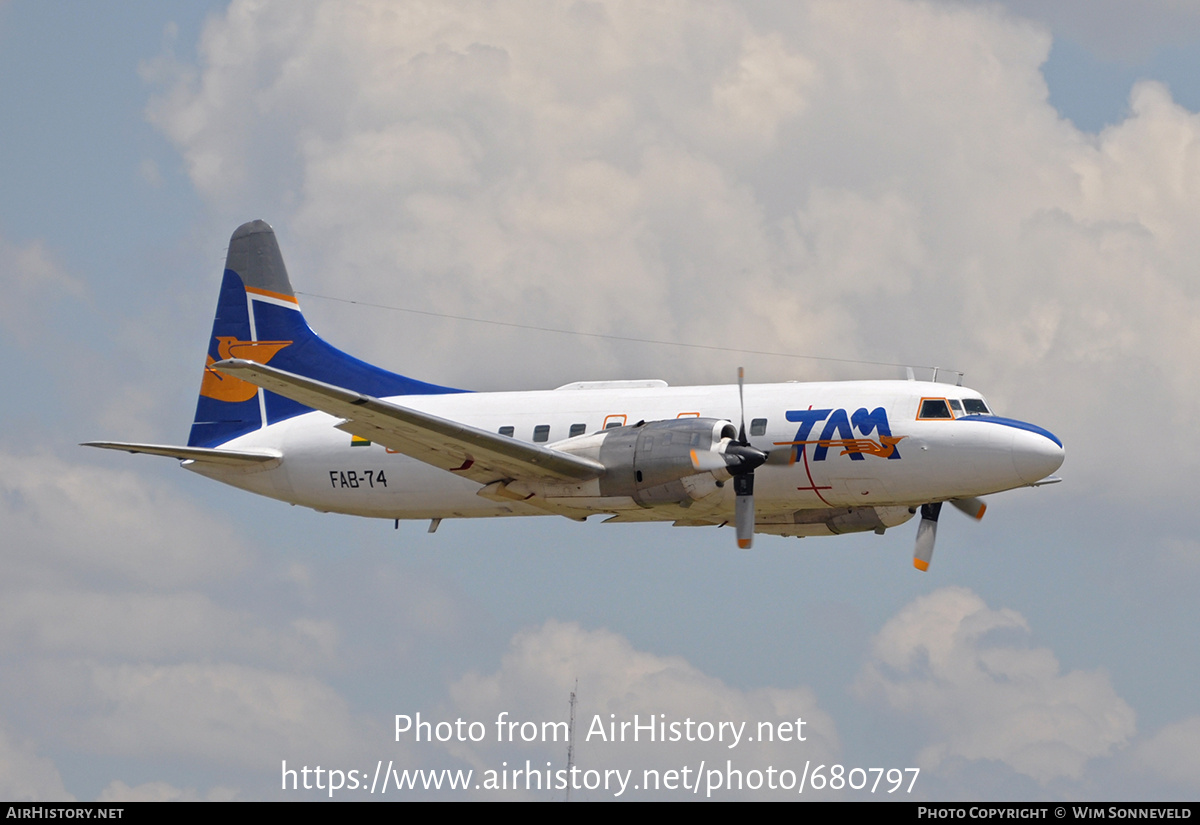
{"points": [[121, 651], [194, 716], [882, 180], [31, 281], [1173, 754], [67, 520], [27, 777], [160, 626], [118, 791], [124, 611], [960, 668], [617, 682], [222, 713]]}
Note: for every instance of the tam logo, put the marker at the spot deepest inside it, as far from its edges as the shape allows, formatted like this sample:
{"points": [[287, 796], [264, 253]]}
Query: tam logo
{"points": [[838, 433]]}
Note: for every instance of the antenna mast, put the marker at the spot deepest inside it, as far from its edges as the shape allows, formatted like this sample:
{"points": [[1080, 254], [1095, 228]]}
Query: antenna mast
{"points": [[571, 742]]}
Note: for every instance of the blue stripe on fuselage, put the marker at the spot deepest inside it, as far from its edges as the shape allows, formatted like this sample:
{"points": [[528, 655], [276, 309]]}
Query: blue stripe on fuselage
{"points": [[1012, 422]]}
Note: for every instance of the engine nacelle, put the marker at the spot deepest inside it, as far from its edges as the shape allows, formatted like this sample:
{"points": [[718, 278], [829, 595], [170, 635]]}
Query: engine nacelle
{"points": [[652, 462]]}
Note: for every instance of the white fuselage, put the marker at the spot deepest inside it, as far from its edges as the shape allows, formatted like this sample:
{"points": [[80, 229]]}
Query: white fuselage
{"points": [[825, 440]]}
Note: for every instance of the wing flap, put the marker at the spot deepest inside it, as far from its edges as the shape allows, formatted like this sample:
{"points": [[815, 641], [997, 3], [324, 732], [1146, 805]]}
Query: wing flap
{"points": [[464, 450]]}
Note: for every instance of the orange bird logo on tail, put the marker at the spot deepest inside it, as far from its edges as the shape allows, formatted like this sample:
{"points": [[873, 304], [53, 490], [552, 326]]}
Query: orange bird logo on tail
{"points": [[227, 388]]}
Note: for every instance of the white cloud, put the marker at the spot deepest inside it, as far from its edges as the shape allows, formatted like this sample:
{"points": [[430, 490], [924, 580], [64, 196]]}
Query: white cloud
{"points": [[118, 791], [617, 682], [26, 776], [222, 713], [148, 625], [765, 89], [1173, 754], [124, 613], [882, 179], [960, 667], [121, 653], [31, 281], [68, 521]]}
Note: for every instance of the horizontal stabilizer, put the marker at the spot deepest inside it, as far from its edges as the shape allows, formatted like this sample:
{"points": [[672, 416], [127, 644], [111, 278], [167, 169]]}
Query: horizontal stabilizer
{"points": [[466, 451], [208, 455]]}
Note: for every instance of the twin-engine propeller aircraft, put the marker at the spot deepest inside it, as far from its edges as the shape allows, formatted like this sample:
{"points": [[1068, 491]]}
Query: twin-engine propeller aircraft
{"points": [[284, 414]]}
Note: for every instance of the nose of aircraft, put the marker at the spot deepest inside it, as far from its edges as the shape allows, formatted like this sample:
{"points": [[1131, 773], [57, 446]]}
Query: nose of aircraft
{"points": [[1036, 453]]}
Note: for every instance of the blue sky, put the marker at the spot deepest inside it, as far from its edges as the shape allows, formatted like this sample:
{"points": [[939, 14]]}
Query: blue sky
{"points": [[918, 183]]}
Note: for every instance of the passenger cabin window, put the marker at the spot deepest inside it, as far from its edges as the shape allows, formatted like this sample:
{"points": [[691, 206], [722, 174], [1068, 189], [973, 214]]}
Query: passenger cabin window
{"points": [[975, 406], [508, 431], [608, 425], [934, 408], [758, 426], [541, 432], [578, 429]]}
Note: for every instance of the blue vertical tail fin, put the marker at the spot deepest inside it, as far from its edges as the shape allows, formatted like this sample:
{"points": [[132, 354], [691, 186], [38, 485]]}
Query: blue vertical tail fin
{"points": [[258, 318]]}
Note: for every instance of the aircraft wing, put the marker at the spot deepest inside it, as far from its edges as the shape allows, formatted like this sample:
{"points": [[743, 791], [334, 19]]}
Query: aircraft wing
{"points": [[228, 458], [472, 453]]}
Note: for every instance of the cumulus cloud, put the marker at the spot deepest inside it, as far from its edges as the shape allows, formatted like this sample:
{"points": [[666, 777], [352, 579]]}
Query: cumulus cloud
{"points": [[26, 776], [197, 715], [116, 614], [1173, 754], [223, 713], [66, 520], [617, 682], [961, 669]]}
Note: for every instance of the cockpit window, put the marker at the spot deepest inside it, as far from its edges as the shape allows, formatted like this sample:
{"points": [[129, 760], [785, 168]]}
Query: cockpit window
{"points": [[956, 405], [975, 406], [934, 408]]}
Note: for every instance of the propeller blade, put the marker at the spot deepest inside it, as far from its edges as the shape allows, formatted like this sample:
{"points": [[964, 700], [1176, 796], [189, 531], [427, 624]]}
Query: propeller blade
{"points": [[743, 486], [926, 535], [742, 404], [973, 507], [705, 461], [741, 460]]}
